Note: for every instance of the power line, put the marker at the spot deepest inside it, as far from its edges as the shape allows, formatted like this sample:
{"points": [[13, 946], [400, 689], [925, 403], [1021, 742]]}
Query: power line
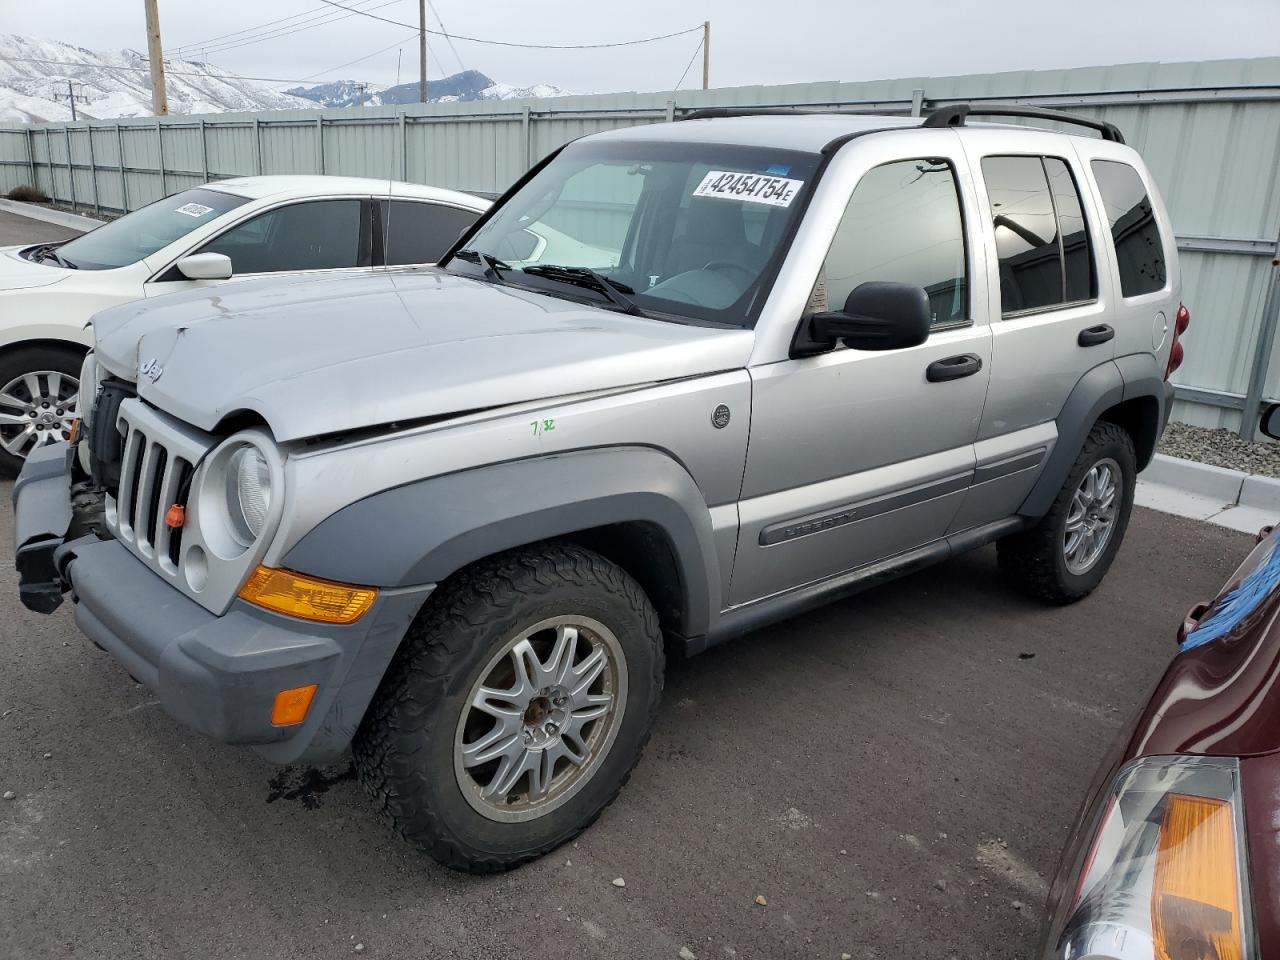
{"points": [[147, 69], [341, 66], [689, 66], [209, 41], [445, 31], [280, 32], [527, 46]]}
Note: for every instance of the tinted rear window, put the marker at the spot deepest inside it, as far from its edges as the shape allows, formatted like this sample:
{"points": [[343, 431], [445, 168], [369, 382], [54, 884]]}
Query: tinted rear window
{"points": [[419, 232], [1134, 231]]}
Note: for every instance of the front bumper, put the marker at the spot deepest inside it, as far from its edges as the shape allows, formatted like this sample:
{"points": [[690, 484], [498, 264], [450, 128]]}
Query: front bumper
{"points": [[217, 674]]}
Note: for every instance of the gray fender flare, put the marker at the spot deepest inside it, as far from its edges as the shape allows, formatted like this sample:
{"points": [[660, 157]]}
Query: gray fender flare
{"points": [[422, 532], [1103, 387]]}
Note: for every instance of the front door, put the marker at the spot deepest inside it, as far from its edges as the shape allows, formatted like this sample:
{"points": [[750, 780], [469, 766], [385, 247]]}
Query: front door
{"points": [[854, 455]]}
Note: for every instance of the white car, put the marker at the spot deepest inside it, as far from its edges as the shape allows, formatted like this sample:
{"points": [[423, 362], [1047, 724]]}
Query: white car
{"points": [[220, 232]]}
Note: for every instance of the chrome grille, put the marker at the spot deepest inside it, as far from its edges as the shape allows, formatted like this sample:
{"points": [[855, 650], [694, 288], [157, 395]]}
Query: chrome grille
{"points": [[151, 479], [158, 463]]}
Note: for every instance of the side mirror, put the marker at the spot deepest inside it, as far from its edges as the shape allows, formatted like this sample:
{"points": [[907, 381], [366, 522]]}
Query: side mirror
{"points": [[205, 266], [1271, 421], [878, 315]]}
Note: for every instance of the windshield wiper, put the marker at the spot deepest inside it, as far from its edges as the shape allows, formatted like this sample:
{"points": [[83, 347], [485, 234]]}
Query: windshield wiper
{"points": [[492, 265], [47, 250], [615, 291]]}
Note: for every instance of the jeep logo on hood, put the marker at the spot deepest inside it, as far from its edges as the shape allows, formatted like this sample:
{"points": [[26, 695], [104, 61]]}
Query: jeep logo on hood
{"points": [[151, 369]]}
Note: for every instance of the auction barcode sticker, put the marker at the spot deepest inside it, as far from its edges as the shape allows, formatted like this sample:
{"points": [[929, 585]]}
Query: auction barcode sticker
{"points": [[194, 209], [750, 187]]}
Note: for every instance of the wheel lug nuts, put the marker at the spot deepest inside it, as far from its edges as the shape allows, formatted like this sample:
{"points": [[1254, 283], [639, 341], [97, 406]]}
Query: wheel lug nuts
{"points": [[551, 728]]}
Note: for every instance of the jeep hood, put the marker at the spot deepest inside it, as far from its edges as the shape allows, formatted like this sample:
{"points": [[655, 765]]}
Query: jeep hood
{"points": [[19, 274], [323, 355]]}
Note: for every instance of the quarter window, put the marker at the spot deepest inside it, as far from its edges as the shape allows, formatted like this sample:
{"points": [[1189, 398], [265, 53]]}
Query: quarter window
{"points": [[420, 232], [902, 224], [1134, 231], [1041, 237], [317, 235]]}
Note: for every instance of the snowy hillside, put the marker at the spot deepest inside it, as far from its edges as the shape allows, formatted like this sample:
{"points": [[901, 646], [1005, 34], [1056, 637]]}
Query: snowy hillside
{"points": [[33, 72], [34, 75]]}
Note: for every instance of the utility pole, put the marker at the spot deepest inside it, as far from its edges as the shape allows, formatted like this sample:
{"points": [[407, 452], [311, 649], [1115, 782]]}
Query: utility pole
{"points": [[155, 55], [72, 98], [361, 87], [706, 55], [422, 51]]}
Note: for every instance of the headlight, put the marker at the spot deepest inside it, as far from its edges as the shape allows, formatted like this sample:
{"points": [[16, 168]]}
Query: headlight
{"points": [[248, 486], [87, 391], [1165, 877]]}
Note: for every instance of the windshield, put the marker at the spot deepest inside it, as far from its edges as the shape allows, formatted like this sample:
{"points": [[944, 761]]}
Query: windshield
{"points": [[141, 233], [686, 230]]}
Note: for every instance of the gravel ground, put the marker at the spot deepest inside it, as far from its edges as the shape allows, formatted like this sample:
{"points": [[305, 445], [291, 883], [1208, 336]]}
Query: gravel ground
{"points": [[1222, 448]]}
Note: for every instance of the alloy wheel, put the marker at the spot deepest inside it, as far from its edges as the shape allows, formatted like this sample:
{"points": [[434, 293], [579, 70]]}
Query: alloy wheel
{"points": [[1091, 518], [540, 719], [36, 408]]}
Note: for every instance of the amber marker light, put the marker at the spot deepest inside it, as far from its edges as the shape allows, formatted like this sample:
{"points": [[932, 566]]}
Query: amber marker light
{"points": [[1195, 895], [308, 598], [73, 430], [291, 705]]}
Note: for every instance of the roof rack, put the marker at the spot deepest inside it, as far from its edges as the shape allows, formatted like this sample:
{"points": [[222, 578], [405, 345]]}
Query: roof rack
{"points": [[719, 113], [954, 116]]}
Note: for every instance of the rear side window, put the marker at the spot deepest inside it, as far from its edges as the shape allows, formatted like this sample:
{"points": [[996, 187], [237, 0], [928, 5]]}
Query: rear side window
{"points": [[419, 232], [1041, 237], [1134, 231], [902, 224]]}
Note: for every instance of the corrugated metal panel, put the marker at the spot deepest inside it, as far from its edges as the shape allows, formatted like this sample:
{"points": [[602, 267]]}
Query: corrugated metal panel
{"points": [[1210, 132]]}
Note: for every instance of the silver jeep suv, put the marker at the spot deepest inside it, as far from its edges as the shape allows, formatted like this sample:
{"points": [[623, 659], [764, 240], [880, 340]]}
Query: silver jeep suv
{"points": [[454, 517]]}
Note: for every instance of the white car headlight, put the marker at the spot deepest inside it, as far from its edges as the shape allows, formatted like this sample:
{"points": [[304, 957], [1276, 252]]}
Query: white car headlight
{"points": [[1165, 876], [248, 491]]}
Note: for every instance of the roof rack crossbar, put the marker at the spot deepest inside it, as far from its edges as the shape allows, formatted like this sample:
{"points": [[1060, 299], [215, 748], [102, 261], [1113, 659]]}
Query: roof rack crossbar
{"points": [[954, 115], [719, 113]]}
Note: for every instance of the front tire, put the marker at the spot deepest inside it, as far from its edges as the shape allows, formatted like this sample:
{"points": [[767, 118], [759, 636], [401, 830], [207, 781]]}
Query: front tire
{"points": [[1064, 557], [516, 708], [38, 390]]}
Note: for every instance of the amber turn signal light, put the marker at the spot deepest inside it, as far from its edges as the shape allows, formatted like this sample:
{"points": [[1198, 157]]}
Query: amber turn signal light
{"points": [[1195, 895], [175, 516], [73, 430], [308, 598], [291, 706]]}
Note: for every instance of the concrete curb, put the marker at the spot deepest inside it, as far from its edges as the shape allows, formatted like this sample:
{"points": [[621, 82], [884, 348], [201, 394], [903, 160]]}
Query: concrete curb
{"points": [[1229, 498], [34, 211], [1232, 487]]}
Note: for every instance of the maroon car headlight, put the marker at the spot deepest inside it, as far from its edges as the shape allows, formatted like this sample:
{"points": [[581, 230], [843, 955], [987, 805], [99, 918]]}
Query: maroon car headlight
{"points": [[1165, 876]]}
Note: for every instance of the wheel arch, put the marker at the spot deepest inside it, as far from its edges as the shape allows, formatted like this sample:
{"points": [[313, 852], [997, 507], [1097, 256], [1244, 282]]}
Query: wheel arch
{"points": [[635, 506], [1128, 392]]}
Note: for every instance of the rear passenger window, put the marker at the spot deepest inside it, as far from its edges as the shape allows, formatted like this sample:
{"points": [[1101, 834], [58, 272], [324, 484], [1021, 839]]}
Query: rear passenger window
{"points": [[902, 224], [1139, 247], [1041, 237], [419, 232]]}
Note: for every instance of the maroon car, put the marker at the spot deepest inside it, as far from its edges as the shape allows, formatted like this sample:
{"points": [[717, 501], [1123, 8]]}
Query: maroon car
{"points": [[1176, 853]]}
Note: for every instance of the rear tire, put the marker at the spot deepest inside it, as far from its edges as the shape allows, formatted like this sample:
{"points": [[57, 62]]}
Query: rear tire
{"points": [[522, 624], [37, 388], [1064, 557]]}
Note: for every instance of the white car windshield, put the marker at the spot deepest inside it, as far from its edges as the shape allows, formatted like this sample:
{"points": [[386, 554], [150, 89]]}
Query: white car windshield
{"points": [[691, 231], [139, 234]]}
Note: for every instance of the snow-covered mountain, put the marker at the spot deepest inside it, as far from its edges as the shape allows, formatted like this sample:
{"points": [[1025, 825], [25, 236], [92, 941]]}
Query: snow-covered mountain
{"points": [[465, 86], [34, 73]]}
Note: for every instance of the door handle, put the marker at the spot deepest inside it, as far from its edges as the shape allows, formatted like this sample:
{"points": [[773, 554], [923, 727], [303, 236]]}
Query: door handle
{"points": [[1096, 335], [953, 368]]}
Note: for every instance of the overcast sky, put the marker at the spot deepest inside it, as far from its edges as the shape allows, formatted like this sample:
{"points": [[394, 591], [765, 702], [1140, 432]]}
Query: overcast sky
{"points": [[752, 42]]}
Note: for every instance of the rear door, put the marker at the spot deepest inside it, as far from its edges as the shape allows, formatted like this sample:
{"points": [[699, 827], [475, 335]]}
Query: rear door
{"points": [[856, 455], [1050, 308]]}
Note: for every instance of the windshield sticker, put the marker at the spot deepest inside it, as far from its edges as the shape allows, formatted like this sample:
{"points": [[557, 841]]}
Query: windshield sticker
{"points": [[749, 187], [777, 169], [194, 209]]}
